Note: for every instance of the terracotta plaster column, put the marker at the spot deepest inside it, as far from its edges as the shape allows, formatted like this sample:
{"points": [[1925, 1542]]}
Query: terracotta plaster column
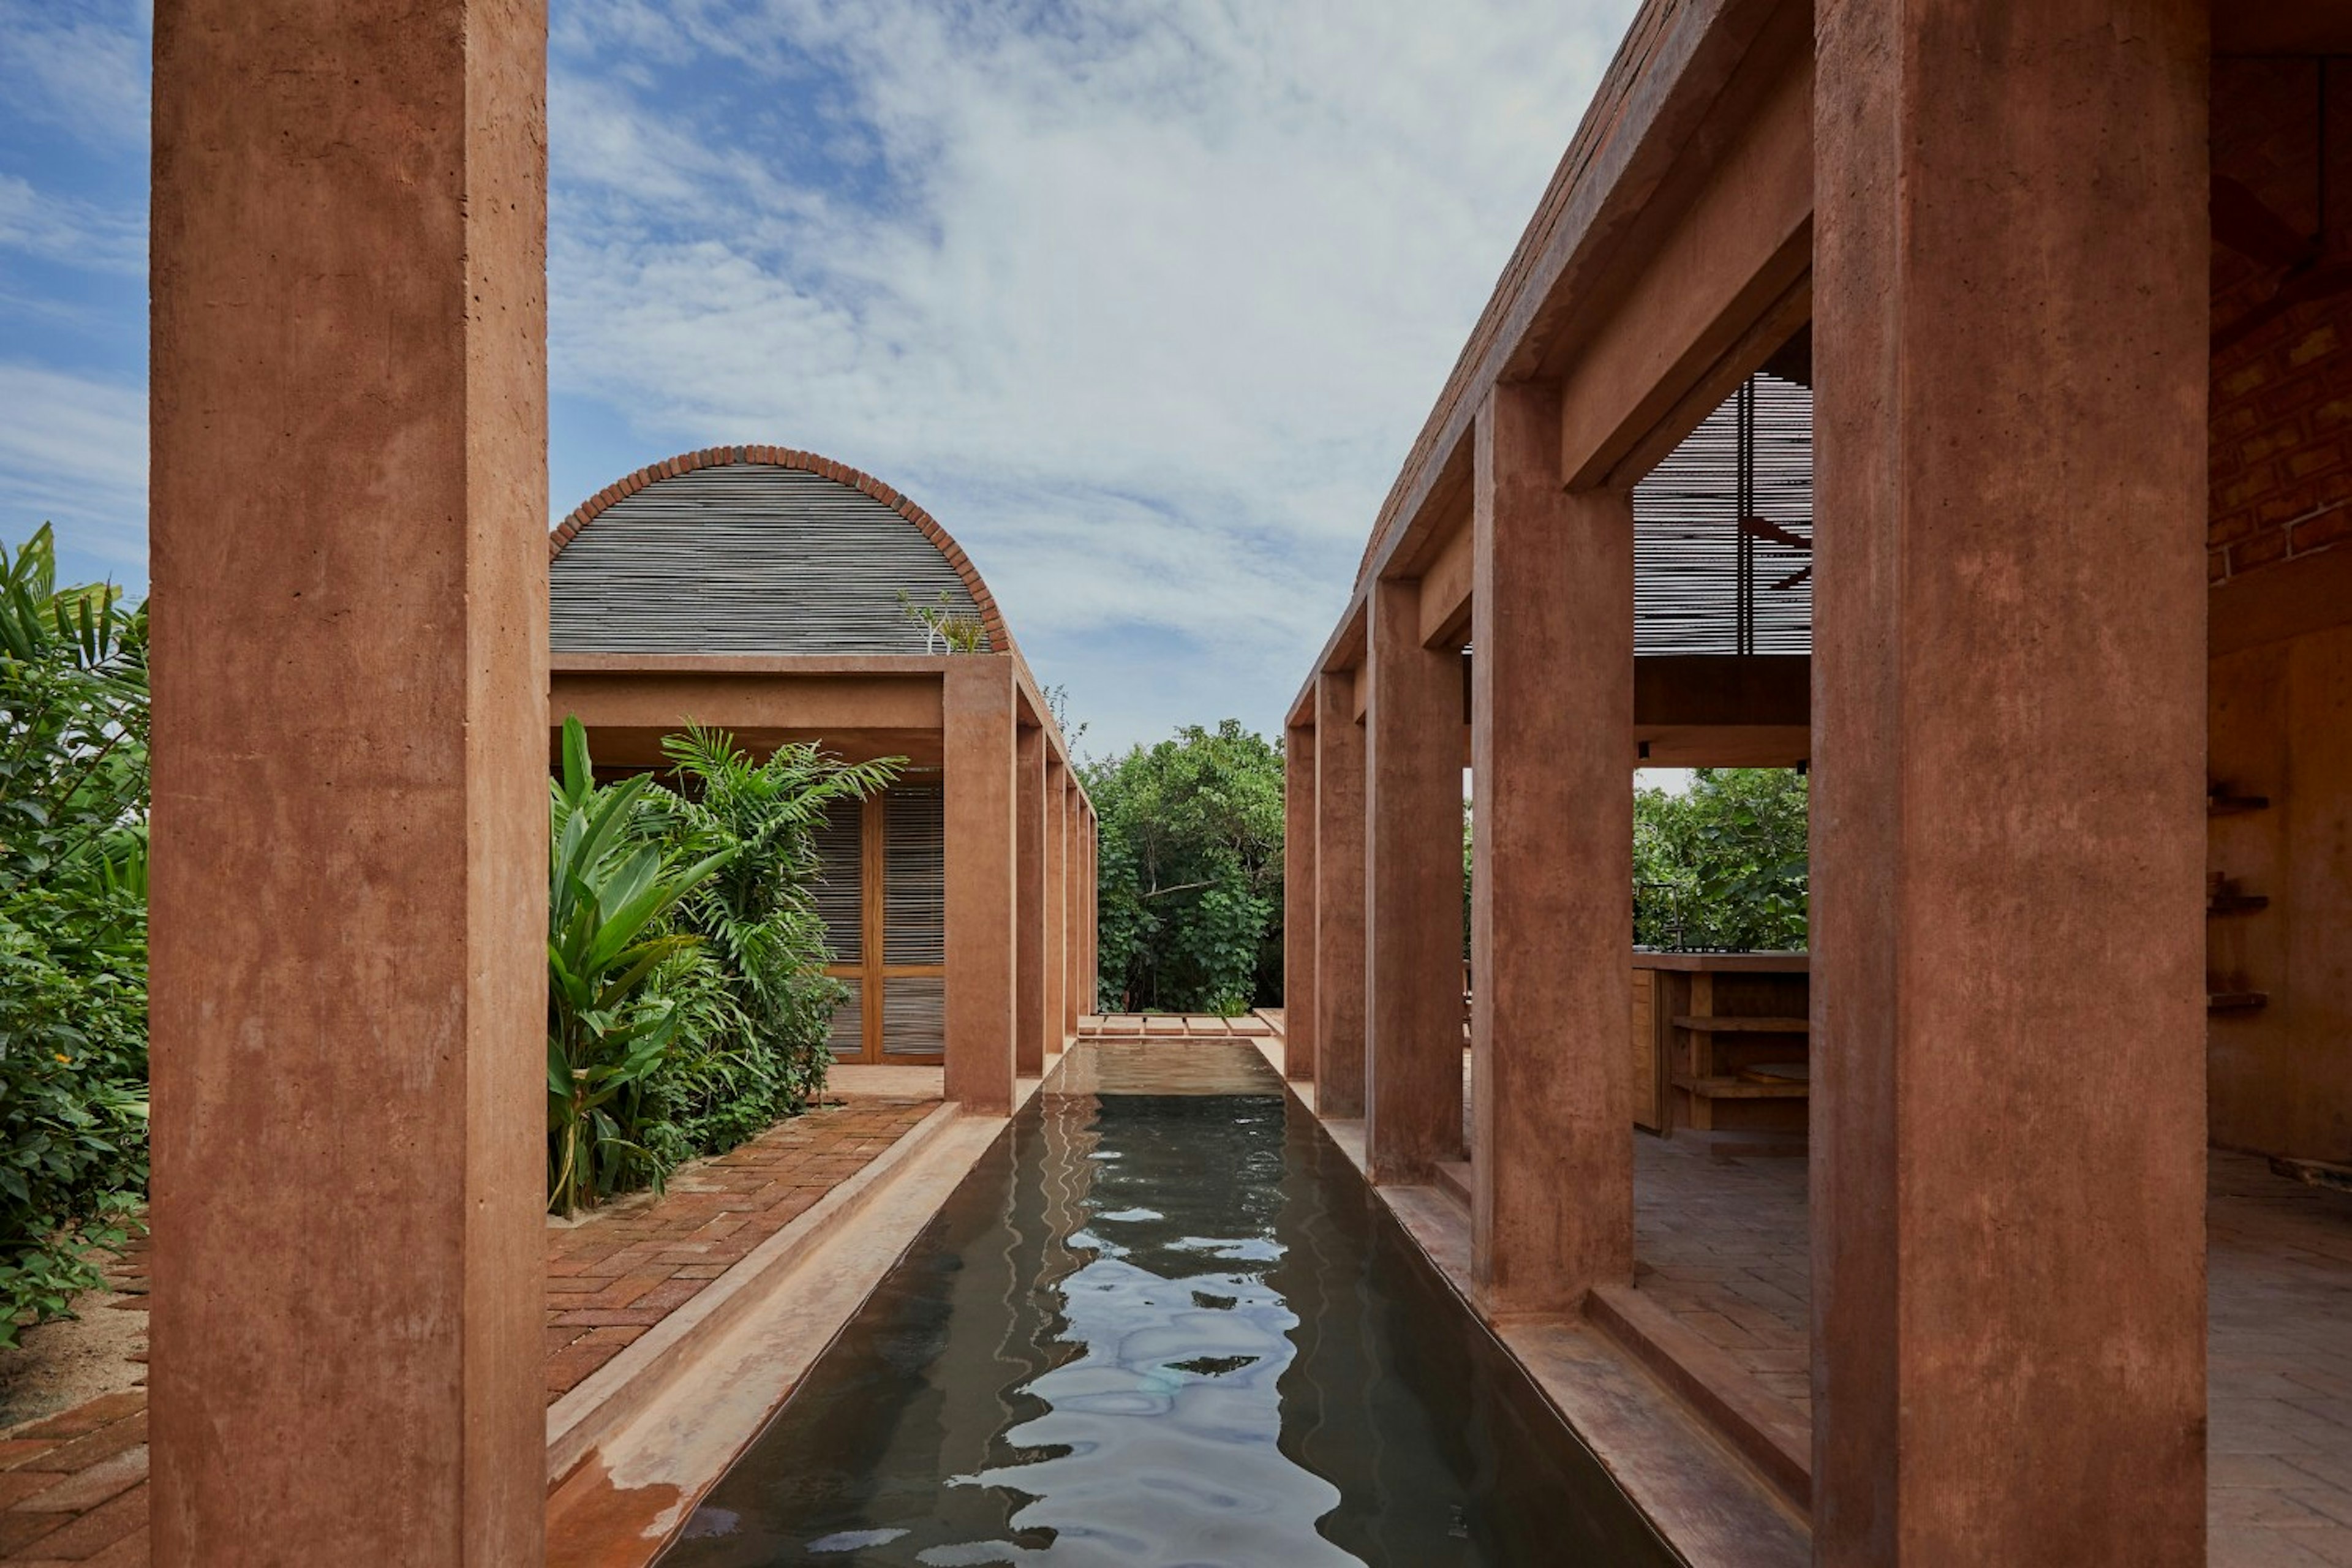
{"points": [[1298, 903], [1074, 862], [349, 506], [1089, 981], [982, 906], [1413, 894], [1034, 943], [1551, 883], [2009, 667], [1060, 941], [1339, 898]]}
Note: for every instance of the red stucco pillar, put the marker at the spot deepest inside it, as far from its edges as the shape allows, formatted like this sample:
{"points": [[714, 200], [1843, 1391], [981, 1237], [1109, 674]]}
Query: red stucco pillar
{"points": [[1059, 940], [1298, 903], [1035, 945], [1074, 862], [349, 504], [1339, 898], [2008, 1176], [1412, 893], [1551, 883], [982, 906]]}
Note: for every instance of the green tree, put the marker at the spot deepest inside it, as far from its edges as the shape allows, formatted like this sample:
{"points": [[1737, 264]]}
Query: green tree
{"points": [[1190, 877], [73, 929], [1725, 865]]}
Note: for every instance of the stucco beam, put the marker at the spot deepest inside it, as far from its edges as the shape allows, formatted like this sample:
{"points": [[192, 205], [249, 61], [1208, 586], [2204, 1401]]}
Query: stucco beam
{"points": [[1739, 250], [1677, 92], [1445, 590], [816, 702]]}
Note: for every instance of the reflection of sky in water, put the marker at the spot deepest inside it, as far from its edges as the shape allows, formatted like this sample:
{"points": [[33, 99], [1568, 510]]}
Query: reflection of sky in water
{"points": [[1161, 1435], [1078, 1365]]}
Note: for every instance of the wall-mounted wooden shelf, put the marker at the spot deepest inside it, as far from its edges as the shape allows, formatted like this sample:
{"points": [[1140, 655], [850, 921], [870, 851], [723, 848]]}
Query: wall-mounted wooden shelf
{"points": [[1760, 1025], [1738, 1088]]}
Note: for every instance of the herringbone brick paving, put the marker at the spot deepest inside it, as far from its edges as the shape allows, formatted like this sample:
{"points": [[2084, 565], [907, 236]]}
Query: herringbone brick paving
{"points": [[73, 1487]]}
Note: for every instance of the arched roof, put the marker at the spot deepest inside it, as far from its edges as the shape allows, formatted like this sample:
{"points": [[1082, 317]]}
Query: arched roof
{"points": [[754, 548]]}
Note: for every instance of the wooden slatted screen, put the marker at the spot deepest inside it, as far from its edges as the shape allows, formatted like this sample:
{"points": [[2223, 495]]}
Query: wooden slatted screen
{"points": [[841, 881], [915, 1016], [914, 923], [914, 918]]}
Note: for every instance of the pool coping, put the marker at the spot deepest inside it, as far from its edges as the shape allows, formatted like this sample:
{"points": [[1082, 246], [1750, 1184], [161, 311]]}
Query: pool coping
{"points": [[675, 1419], [1712, 1506], [608, 1397]]}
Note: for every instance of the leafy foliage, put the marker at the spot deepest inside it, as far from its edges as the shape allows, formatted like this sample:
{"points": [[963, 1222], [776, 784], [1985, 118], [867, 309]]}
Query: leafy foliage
{"points": [[73, 929], [687, 1006], [1190, 875], [946, 629], [755, 1039], [610, 882], [1724, 866]]}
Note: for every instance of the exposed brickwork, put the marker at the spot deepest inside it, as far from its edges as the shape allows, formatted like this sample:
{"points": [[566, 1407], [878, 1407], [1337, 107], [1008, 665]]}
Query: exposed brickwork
{"points": [[73, 1487], [586, 512], [610, 1279], [2281, 452]]}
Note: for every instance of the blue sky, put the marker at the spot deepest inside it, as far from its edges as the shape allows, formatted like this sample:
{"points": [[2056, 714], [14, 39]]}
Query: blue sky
{"points": [[1143, 299]]}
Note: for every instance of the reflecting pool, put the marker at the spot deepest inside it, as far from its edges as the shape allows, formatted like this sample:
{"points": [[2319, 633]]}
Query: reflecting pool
{"points": [[1164, 1328]]}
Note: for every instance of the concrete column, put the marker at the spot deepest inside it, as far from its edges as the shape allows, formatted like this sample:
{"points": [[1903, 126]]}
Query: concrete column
{"points": [[1339, 898], [1413, 894], [983, 908], [349, 507], [2008, 1176], [1298, 903], [1551, 882], [1060, 938], [1034, 943]]}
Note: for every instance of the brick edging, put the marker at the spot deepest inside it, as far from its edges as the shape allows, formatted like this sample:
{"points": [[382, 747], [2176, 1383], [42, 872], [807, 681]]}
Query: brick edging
{"points": [[578, 1422]]}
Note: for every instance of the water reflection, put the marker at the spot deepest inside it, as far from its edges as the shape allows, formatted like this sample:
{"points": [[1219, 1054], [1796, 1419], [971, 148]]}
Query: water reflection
{"points": [[1162, 1330]]}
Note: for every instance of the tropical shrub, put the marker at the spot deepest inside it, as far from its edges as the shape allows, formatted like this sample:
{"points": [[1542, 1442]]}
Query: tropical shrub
{"points": [[687, 1006], [1191, 872], [609, 882], [1724, 866], [755, 1037], [73, 930]]}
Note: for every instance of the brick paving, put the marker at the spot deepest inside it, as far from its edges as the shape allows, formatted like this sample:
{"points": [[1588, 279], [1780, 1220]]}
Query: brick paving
{"points": [[1723, 1246], [1188, 1025], [1721, 1243], [612, 1279], [73, 1487]]}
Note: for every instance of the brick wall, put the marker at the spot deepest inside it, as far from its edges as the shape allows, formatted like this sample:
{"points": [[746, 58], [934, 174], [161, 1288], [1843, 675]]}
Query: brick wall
{"points": [[2281, 450], [2281, 442]]}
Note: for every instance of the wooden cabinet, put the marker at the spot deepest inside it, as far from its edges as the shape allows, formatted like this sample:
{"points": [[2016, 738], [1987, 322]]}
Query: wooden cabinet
{"points": [[1726, 1037]]}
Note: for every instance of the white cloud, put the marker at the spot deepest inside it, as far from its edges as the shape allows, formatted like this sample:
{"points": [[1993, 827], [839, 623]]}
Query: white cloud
{"points": [[73, 451], [82, 68], [1145, 299], [61, 228]]}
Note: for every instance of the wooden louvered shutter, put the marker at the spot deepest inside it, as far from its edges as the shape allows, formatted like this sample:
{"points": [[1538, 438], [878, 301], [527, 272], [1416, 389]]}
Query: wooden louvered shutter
{"points": [[841, 904], [914, 922]]}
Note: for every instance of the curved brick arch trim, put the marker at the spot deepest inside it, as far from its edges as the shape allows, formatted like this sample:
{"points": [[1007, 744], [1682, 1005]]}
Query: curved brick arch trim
{"points": [[999, 639]]}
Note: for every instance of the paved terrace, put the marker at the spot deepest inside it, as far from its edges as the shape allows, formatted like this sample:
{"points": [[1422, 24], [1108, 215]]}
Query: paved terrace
{"points": [[1720, 1242], [73, 1487]]}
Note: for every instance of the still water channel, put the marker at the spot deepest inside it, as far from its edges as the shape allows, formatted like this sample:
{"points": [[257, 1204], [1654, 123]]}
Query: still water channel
{"points": [[1168, 1330]]}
